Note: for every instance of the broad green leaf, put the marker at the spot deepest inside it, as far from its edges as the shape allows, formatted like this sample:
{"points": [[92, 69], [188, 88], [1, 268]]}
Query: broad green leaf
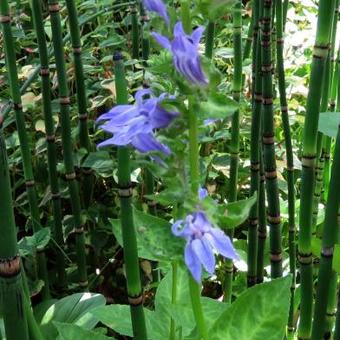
{"points": [[73, 309], [154, 238], [235, 213], [328, 123], [261, 312], [38, 241], [218, 106], [336, 258], [118, 318], [316, 246], [71, 332], [99, 161]]}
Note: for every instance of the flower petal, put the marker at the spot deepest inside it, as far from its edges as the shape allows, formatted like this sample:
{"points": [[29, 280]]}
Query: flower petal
{"points": [[197, 34], [221, 242], [204, 253], [193, 263], [202, 193], [147, 143], [163, 41]]}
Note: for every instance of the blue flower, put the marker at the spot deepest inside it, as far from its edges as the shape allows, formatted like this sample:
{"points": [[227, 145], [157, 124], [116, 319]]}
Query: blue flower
{"points": [[203, 241], [159, 7], [184, 49], [135, 124]]}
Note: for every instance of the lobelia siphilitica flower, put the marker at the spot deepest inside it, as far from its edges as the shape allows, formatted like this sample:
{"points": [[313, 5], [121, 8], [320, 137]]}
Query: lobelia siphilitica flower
{"points": [[203, 241], [184, 50], [135, 124], [159, 7]]}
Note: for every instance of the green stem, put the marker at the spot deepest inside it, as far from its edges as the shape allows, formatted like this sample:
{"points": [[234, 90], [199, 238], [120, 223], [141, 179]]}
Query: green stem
{"points": [[67, 143], [134, 32], [247, 47], [23, 138], [174, 265], [134, 288], [194, 287], [209, 40], [185, 16], [309, 155]]}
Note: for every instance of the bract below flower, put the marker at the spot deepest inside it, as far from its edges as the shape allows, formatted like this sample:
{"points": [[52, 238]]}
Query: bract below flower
{"points": [[203, 241], [184, 49], [135, 124], [159, 7]]}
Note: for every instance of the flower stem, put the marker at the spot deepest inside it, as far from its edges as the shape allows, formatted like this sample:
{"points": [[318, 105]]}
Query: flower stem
{"points": [[173, 298], [195, 292], [185, 16]]}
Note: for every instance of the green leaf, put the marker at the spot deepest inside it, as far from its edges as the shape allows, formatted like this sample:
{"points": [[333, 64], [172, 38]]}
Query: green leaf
{"points": [[154, 238], [218, 106], [71, 309], [336, 258], [261, 312], [71, 332], [235, 213], [38, 241], [329, 123], [99, 161]]}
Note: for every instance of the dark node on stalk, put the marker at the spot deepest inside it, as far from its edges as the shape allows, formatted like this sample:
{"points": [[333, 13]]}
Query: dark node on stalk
{"points": [[251, 281], [17, 106], [54, 8], [117, 56], [275, 257], [5, 19], [10, 267], [125, 192], [327, 252], [135, 301], [305, 259], [30, 184]]}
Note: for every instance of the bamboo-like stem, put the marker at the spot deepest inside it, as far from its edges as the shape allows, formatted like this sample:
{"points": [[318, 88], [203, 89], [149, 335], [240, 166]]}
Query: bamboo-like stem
{"points": [[11, 288], [174, 266], [23, 138], [289, 156], [337, 322], [329, 239], [284, 13], [209, 39], [134, 288], [262, 224], [234, 147], [308, 165], [134, 32], [50, 140], [194, 287], [84, 140], [255, 148], [67, 141], [274, 219], [249, 40], [7, 108]]}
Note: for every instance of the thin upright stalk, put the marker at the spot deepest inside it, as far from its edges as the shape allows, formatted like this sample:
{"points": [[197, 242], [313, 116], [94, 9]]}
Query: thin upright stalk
{"points": [[67, 140], [185, 16], [134, 288], [50, 140], [11, 288], [273, 216], [84, 140], [194, 287], [248, 45], [134, 32], [209, 40], [234, 147], [23, 137], [255, 148], [309, 155], [329, 239], [289, 155]]}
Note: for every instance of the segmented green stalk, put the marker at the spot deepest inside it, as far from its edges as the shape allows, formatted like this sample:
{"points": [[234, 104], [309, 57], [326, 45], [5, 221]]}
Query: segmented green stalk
{"points": [[234, 147], [255, 147], [23, 137], [11, 288], [134, 288], [262, 224], [50, 140], [84, 140], [134, 32], [329, 239], [67, 141], [209, 40], [289, 155], [273, 212], [248, 45], [308, 165]]}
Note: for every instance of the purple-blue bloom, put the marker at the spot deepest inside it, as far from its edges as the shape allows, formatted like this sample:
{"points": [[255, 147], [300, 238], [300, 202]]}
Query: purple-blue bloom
{"points": [[135, 124], [184, 49], [159, 7], [203, 241]]}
